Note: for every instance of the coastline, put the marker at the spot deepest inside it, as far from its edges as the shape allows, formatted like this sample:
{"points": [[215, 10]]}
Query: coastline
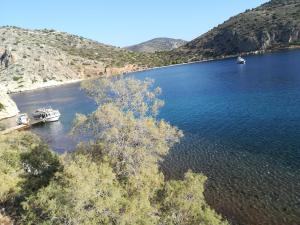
{"points": [[47, 85], [12, 107], [258, 52], [56, 84]]}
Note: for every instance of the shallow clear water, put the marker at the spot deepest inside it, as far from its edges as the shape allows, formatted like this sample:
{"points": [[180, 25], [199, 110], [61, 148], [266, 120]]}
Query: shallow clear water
{"points": [[241, 125]]}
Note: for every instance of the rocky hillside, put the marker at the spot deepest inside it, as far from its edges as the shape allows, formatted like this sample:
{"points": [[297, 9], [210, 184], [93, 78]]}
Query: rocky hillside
{"points": [[8, 107], [39, 58], [273, 25], [157, 44]]}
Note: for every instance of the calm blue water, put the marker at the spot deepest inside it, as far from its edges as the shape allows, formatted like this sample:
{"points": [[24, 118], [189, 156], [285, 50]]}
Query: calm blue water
{"points": [[241, 125]]}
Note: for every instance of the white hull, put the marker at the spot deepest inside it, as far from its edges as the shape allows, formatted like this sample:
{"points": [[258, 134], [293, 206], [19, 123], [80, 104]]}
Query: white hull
{"points": [[47, 115], [240, 60], [51, 119]]}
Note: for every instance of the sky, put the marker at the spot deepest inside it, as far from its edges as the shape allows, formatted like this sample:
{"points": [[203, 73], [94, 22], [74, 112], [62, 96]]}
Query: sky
{"points": [[123, 22]]}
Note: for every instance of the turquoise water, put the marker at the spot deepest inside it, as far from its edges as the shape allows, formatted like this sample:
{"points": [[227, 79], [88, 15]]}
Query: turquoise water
{"points": [[241, 125]]}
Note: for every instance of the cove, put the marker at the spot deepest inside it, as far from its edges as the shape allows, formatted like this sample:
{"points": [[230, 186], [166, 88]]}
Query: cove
{"points": [[241, 126]]}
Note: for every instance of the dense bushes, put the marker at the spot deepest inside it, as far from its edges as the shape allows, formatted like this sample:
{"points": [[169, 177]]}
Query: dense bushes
{"points": [[26, 164]]}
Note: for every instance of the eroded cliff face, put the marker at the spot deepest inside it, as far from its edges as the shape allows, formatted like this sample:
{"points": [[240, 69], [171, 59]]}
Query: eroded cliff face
{"points": [[8, 107], [229, 41]]}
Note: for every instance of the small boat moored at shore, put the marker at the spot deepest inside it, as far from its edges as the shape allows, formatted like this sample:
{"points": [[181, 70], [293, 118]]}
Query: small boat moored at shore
{"points": [[240, 60], [47, 114], [23, 119]]}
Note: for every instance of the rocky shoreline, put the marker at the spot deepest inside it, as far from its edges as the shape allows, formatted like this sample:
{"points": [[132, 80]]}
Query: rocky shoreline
{"points": [[8, 107]]}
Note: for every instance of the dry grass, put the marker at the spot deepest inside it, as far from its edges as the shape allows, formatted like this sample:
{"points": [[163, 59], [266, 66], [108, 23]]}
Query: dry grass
{"points": [[5, 220]]}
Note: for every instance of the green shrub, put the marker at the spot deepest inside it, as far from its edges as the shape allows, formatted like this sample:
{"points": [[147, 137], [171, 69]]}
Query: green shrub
{"points": [[2, 127], [16, 78]]}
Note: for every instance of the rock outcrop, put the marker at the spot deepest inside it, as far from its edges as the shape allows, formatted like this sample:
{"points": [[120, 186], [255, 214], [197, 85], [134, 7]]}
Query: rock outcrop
{"points": [[6, 58], [8, 107]]}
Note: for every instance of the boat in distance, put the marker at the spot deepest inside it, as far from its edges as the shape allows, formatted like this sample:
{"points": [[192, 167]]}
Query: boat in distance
{"points": [[240, 60]]}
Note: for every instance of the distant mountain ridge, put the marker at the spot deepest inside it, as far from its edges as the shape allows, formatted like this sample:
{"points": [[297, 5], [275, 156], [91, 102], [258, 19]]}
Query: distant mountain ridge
{"points": [[157, 44], [273, 25]]}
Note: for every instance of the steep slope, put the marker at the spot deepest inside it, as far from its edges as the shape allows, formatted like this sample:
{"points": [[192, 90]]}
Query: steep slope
{"points": [[41, 58], [8, 107], [273, 25], [157, 44]]}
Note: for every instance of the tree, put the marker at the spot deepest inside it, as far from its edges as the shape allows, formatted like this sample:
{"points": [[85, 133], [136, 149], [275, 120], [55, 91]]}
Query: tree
{"points": [[128, 94], [112, 179], [125, 123], [26, 165], [183, 203], [129, 143], [40, 165], [87, 193], [83, 193], [11, 167], [132, 141]]}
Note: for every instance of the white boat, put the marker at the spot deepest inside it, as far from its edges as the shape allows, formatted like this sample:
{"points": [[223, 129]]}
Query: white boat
{"points": [[23, 119], [47, 114], [38, 113], [240, 60]]}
